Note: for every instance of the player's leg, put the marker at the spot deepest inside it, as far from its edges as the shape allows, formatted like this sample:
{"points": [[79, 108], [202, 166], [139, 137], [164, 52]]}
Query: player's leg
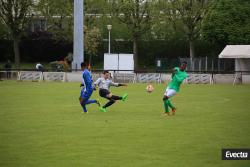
{"points": [[84, 99], [124, 97], [84, 109], [81, 100], [168, 94], [170, 104], [85, 102], [109, 103], [165, 98], [165, 106], [106, 94], [114, 97], [87, 95]]}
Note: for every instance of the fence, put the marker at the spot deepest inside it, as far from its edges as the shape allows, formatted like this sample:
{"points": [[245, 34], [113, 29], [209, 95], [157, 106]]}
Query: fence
{"points": [[200, 64], [195, 77]]}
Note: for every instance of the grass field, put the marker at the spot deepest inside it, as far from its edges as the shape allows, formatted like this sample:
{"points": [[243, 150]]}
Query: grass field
{"points": [[42, 125]]}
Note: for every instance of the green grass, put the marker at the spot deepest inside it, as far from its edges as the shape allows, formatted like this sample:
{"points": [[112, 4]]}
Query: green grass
{"points": [[42, 125]]}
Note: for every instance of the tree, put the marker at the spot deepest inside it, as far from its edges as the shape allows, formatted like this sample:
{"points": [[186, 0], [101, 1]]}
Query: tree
{"points": [[58, 17], [3, 31], [228, 22], [162, 28], [14, 15], [95, 7], [191, 14], [136, 15], [92, 40]]}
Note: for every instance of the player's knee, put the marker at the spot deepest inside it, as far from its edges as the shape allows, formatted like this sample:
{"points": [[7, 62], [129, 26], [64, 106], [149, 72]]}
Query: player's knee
{"points": [[164, 98], [109, 95], [81, 100]]}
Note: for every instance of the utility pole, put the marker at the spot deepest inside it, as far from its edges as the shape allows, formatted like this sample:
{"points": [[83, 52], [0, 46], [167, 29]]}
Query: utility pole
{"points": [[78, 52]]}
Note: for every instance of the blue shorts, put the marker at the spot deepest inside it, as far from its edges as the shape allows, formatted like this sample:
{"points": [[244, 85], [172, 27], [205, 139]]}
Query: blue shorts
{"points": [[85, 94]]}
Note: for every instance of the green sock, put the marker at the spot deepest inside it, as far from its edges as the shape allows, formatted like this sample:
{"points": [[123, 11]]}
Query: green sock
{"points": [[170, 104], [166, 106]]}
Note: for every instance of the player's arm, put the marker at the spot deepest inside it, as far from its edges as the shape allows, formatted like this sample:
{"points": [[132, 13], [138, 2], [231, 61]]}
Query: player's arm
{"points": [[121, 84], [83, 80], [117, 84], [97, 82], [174, 71]]}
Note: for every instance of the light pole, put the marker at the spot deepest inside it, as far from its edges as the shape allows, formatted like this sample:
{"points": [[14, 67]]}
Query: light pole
{"points": [[109, 27], [78, 52]]}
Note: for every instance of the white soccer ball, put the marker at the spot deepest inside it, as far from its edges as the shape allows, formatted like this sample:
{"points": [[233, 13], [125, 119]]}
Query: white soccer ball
{"points": [[149, 88]]}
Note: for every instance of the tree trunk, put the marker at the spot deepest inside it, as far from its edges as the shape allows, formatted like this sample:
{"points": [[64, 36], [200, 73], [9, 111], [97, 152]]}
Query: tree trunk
{"points": [[90, 61], [16, 52], [135, 50], [191, 53], [191, 49]]}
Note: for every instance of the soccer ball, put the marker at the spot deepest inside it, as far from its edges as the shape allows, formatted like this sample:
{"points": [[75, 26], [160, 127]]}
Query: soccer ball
{"points": [[149, 88]]}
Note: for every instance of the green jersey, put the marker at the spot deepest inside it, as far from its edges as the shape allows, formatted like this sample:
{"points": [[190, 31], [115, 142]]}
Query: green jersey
{"points": [[177, 79]]}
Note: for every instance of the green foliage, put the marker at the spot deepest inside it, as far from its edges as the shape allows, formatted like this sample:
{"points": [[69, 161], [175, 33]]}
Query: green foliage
{"points": [[189, 12], [134, 14], [14, 16], [119, 30], [96, 7], [58, 15], [92, 40], [228, 22], [4, 34]]}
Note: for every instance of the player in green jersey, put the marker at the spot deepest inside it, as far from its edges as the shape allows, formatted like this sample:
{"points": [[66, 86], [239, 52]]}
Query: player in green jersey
{"points": [[178, 75]]}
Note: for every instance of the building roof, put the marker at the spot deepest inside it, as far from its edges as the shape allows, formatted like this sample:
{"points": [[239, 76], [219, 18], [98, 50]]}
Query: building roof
{"points": [[235, 51]]}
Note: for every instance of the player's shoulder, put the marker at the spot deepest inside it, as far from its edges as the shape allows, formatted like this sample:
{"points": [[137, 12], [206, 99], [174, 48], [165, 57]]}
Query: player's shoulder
{"points": [[101, 79], [109, 81], [86, 72], [177, 69]]}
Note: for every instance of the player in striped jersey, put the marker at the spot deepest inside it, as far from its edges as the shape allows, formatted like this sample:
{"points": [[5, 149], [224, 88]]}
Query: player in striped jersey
{"points": [[104, 84]]}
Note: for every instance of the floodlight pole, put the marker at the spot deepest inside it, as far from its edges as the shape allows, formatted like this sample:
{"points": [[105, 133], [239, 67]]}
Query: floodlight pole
{"points": [[109, 27], [78, 52]]}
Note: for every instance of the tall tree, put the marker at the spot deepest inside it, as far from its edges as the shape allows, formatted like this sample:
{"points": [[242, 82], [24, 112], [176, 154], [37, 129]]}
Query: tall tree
{"points": [[136, 15], [14, 15], [92, 41], [3, 31], [58, 16], [190, 13], [227, 22]]}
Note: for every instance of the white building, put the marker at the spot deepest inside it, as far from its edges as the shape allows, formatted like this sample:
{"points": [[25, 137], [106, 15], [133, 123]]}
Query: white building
{"points": [[241, 54]]}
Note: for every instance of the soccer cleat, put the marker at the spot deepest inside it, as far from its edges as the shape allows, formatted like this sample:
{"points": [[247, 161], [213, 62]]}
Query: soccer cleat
{"points": [[103, 109], [124, 97], [173, 111], [98, 102]]}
